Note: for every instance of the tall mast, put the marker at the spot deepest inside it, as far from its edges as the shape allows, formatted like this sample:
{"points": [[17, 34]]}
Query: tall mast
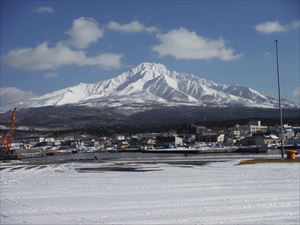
{"points": [[279, 101]]}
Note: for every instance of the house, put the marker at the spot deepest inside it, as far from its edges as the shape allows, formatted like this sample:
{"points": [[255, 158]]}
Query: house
{"points": [[199, 129], [221, 138], [208, 136], [119, 137], [123, 145], [147, 143], [204, 134], [168, 141], [266, 140], [253, 127], [46, 139], [141, 136], [150, 141], [296, 130], [234, 131], [288, 133], [188, 139], [68, 138]]}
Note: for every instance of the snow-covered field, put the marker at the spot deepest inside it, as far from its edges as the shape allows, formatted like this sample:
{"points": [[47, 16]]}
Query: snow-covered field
{"points": [[91, 193]]}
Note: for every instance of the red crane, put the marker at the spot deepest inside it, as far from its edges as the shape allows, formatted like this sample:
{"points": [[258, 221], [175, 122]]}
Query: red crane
{"points": [[7, 140]]}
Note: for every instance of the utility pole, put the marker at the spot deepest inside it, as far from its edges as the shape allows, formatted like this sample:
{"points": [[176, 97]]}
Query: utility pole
{"points": [[279, 101]]}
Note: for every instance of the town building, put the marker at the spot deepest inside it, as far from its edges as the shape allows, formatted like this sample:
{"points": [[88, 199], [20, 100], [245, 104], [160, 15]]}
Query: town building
{"points": [[168, 141], [253, 127]]}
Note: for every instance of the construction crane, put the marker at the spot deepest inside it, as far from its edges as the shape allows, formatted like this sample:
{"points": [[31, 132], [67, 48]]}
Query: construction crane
{"points": [[7, 140]]}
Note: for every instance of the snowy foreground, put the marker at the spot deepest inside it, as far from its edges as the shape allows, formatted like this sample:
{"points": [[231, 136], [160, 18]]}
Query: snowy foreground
{"points": [[91, 193]]}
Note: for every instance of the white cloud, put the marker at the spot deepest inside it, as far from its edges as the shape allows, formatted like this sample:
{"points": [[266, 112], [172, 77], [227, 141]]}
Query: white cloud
{"points": [[106, 60], [44, 9], [296, 92], [84, 32], [132, 27], [151, 29], [296, 95], [295, 24], [11, 97], [276, 26], [43, 57], [184, 44]]}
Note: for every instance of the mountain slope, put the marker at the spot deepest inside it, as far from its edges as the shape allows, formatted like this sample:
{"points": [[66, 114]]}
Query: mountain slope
{"points": [[151, 83]]}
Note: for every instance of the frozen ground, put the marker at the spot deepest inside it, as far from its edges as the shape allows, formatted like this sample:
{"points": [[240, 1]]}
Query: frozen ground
{"points": [[91, 193]]}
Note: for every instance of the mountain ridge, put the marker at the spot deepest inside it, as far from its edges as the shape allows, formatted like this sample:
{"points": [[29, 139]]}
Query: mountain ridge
{"points": [[154, 83]]}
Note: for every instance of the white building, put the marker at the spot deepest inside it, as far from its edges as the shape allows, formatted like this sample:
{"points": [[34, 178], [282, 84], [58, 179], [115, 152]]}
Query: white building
{"points": [[247, 130]]}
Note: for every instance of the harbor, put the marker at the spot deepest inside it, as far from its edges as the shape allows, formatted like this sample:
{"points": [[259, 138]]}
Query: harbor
{"points": [[158, 156]]}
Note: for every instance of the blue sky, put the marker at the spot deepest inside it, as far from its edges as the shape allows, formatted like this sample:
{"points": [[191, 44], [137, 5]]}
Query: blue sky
{"points": [[49, 45]]}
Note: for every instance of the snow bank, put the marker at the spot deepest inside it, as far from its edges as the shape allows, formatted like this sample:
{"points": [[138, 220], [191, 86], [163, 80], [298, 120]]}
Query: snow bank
{"points": [[91, 193]]}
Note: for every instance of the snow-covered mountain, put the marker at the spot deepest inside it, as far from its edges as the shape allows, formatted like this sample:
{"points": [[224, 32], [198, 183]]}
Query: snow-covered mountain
{"points": [[153, 83]]}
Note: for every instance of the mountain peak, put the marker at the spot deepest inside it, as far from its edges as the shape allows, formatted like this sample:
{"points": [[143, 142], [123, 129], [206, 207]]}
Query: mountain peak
{"points": [[145, 67], [151, 65]]}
